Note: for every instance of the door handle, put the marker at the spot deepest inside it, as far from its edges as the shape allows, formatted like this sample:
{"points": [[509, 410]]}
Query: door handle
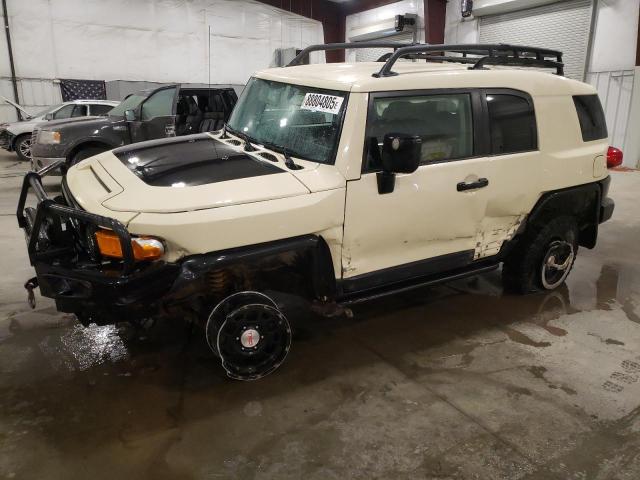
{"points": [[480, 183]]}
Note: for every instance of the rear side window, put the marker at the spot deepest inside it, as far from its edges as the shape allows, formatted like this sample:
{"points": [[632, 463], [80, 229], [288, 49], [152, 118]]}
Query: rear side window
{"points": [[99, 109], [512, 123], [591, 117]]}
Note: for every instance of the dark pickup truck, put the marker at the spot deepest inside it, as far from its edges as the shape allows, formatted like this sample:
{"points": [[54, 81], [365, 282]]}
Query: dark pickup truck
{"points": [[166, 111]]}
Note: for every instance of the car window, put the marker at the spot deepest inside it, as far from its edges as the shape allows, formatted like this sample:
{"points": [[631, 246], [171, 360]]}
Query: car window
{"points": [[79, 111], [591, 117], [99, 109], [64, 112], [160, 104], [444, 122], [512, 124]]}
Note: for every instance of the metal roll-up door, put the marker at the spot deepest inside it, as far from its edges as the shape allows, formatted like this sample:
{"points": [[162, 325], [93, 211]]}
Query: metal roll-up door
{"points": [[373, 54], [561, 26]]}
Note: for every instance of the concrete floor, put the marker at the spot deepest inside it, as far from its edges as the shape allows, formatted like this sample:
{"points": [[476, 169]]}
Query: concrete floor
{"points": [[453, 382]]}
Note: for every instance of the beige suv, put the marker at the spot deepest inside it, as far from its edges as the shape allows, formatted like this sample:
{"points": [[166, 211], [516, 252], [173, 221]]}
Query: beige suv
{"points": [[336, 182]]}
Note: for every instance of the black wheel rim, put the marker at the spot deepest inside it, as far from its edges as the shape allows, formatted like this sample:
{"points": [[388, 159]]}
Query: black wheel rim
{"points": [[271, 341], [557, 263], [225, 307]]}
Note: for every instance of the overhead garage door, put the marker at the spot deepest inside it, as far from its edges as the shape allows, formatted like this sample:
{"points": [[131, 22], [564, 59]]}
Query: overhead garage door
{"points": [[373, 54], [561, 26]]}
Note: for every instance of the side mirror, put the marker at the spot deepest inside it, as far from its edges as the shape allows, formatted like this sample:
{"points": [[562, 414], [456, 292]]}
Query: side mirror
{"points": [[48, 116], [400, 154], [129, 115]]}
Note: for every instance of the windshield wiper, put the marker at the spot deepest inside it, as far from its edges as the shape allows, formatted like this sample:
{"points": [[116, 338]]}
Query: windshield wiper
{"points": [[248, 146], [288, 161]]}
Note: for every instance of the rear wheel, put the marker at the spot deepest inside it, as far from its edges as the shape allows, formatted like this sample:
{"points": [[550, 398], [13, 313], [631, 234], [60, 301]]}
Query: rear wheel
{"points": [[22, 146], [84, 153], [544, 257], [250, 334]]}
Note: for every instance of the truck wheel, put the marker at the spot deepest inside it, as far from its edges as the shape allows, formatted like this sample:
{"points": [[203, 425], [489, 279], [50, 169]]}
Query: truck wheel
{"points": [[543, 258], [85, 153], [250, 335], [22, 147]]}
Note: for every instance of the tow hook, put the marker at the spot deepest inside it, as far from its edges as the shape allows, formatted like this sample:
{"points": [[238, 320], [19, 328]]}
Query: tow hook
{"points": [[31, 284]]}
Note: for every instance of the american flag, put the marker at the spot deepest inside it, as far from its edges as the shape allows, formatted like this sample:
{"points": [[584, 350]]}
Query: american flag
{"points": [[83, 89]]}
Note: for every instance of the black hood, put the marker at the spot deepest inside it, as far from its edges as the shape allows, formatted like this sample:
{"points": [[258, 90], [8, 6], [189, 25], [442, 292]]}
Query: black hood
{"points": [[191, 160], [76, 121]]}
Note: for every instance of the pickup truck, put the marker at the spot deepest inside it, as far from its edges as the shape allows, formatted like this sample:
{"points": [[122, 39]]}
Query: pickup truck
{"points": [[166, 111]]}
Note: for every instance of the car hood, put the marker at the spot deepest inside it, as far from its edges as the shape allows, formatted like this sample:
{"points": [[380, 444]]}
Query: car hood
{"points": [[181, 174], [89, 121], [22, 125]]}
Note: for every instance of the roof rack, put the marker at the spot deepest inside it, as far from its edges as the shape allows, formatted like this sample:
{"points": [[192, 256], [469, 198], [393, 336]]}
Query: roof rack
{"points": [[481, 55]]}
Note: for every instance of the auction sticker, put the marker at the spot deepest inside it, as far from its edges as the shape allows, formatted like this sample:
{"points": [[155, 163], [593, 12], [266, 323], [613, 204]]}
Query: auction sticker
{"points": [[322, 103]]}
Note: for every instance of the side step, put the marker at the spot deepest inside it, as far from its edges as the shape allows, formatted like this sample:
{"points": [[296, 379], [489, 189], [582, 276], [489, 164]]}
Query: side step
{"points": [[365, 296]]}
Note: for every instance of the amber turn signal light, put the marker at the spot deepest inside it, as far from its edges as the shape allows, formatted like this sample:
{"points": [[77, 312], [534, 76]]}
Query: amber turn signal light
{"points": [[144, 248]]}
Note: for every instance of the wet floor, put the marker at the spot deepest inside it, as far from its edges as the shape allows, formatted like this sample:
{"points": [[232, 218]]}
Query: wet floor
{"points": [[454, 382]]}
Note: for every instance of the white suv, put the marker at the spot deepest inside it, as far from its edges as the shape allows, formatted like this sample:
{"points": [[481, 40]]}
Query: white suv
{"points": [[339, 183], [16, 136]]}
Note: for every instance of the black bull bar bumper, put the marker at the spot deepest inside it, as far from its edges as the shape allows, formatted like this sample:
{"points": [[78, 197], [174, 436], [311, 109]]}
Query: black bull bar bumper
{"points": [[58, 244]]}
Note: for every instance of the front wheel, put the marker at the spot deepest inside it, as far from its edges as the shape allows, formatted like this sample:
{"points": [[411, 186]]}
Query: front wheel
{"points": [[544, 258], [22, 146], [85, 153], [250, 334]]}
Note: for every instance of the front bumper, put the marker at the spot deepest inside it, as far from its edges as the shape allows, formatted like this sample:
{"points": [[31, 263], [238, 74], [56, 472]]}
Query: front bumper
{"points": [[6, 139], [69, 269], [38, 163]]}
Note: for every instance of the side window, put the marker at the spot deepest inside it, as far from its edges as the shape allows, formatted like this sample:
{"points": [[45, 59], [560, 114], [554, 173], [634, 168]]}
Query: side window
{"points": [[64, 112], [512, 123], [160, 104], [99, 109], [591, 117], [444, 122], [79, 111]]}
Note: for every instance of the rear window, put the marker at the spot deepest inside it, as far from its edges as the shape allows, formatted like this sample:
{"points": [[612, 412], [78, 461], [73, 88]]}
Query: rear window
{"points": [[591, 117], [513, 124]]}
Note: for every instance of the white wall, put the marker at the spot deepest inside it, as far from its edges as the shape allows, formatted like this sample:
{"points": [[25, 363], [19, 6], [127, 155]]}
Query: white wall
{"points": [[386, 12], [151, 40]]}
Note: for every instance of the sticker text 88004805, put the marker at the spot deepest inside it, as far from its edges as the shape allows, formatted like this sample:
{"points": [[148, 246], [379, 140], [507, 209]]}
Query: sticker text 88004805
{"points": [[322, 103]]}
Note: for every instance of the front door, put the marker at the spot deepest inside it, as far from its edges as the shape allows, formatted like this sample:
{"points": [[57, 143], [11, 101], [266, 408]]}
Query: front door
{"points": [[430, 221], [156, 117]]}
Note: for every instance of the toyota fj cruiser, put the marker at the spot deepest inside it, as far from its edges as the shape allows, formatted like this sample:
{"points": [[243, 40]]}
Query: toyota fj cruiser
{"points": [[338, 182]]}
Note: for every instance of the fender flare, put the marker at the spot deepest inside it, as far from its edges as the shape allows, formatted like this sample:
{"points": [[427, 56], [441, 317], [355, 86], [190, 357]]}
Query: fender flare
{"points": [[582, 202], [321, 273]]}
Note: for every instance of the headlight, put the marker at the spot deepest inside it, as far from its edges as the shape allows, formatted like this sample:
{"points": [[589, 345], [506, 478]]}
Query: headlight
{"points": [[49, 137], [144, 248]]}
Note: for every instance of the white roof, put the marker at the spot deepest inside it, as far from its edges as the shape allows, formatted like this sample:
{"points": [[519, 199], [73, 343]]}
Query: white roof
{"points": [[98, 102], [358, 77]]}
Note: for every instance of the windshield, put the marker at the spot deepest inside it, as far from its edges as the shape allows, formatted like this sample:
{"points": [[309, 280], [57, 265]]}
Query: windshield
{"points": [[304, 121], [42, 113], [129, 103]]}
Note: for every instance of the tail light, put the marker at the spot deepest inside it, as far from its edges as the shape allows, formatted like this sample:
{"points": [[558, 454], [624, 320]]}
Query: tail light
{"points": [[614, 157]]}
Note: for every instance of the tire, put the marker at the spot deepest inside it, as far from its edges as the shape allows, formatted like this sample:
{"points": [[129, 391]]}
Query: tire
{"points": [[84, 153], [543, 258], [22, 147]]}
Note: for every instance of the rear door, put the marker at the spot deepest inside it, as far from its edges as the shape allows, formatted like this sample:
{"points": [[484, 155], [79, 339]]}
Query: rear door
{"points": [[156, 118]]}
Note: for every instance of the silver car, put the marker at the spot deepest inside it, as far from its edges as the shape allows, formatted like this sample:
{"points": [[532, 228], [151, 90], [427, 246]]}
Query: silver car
{"points": [[16, 136]]}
